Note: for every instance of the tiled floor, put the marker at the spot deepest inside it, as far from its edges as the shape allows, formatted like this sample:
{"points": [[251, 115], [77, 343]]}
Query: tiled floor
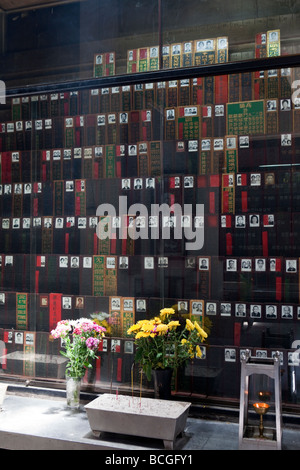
{"points": [[34, 423]]}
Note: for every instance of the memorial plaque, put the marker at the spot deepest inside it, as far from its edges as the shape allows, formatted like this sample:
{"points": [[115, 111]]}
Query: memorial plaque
{"points": [[188, 54], [207, 129], [143, 59], [154, 58], [205, 53], [134, 127], [115, 321], [155, 158], [138, 96], [111, 275], [21, 311], [98, 275], [74, 103], [100, 137], [123, 127], [146, 131], [16, 109], [176, 55], [161, 95], [188, 123], [259, 91], [166, 57], [285, 82], [150, 95], [234, 87], [105, 100], [170, 123], [218, 162], [104, 64], [80, 198], [246, 86], [260, 45], [29, 354], [231, 154], [126, 98], [132, 61], [204, 277], [184, 92], [245, 118], [205, 157], [115, 99], [128, 314], [56, 164], [272, 85], [221, 89], [112, 128], [273, 43], [228, 194], [94, 101], [143, 162], [222, 49], [209, 90], [271, 116], [110, 157]]}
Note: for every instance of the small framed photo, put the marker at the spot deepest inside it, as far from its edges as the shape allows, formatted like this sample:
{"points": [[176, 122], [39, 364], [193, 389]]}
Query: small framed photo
{"points": [[211, 308], [240, 310], [203, 264], [286, 140], [244, 141], [140, 305], [79, 302], [254, 220], [260, 264], [231, 265], [128, 347], [285, 104], [230, 355], [271, 311], [126, 183], [183, 306], [63, 261], [225, 309], [115, 303], [291, 266], [255, 311], [287, 311], [246, 265], [240, 221], [197, 307], [148, 262], [67, 303], [123, 262], [255, 179]]}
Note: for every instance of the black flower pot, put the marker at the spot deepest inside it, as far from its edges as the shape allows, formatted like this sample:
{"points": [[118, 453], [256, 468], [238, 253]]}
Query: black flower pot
{"points": [[162, 383]]}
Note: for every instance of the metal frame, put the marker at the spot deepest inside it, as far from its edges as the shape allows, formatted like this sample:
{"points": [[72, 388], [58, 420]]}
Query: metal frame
{"points": [[227, 68], [271, 368]]}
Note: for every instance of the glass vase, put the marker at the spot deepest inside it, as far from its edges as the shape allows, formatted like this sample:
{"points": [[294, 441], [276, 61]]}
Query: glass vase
{"points": [[73, 391]]}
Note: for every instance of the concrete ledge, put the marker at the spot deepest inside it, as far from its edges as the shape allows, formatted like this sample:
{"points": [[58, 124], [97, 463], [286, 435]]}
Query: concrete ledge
{"points": [[34, 423], [28, 423]]}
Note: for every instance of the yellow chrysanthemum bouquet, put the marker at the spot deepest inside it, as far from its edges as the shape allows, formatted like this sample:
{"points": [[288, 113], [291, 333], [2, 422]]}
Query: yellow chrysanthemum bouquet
{"points": [[165, 343]]}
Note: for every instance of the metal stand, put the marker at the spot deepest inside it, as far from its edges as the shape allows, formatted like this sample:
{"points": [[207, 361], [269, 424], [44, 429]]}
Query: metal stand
{"points": [[248, 439]]}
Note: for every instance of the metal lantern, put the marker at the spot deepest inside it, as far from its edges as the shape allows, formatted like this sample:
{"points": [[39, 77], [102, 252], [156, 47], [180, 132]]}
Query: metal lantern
{"points": [[257, 436]]}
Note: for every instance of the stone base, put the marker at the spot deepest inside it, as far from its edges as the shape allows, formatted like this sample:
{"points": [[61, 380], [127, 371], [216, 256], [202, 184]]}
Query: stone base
{"points": [[252, 441], [134, 416]]}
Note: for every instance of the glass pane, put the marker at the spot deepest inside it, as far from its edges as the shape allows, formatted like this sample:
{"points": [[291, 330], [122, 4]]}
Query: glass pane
{"points": [[205, 33], [203, 170]]}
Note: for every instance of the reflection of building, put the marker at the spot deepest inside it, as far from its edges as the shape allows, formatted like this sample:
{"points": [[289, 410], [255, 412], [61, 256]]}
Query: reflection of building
{"points": [[228, 141]]}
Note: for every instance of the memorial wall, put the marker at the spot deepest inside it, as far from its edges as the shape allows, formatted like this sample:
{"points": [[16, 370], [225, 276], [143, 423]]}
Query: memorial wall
{"points": [[86, 177]]}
